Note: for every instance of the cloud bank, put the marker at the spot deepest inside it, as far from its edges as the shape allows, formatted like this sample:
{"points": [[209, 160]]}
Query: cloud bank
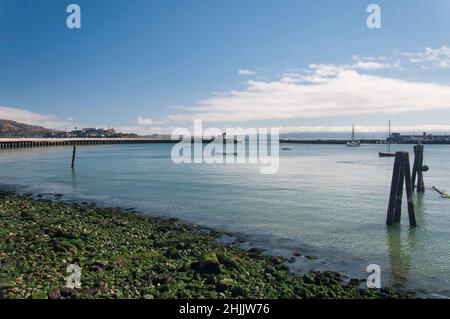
{"points": [[245, 72], [144, 121], [321, 91], [32, 118], [430, 58], [418, 129]]}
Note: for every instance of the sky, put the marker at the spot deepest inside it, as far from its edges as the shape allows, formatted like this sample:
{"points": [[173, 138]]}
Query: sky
{"points": [[151, 66]]}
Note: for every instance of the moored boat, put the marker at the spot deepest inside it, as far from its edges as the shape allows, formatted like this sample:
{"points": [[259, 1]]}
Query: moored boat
{"points": [[387, 154], [382, 154], [353, 142]]}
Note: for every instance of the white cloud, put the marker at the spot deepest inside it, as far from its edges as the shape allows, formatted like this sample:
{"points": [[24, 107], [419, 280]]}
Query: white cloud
{"points": [[291, 77], [360, 129], [32, 118], [326, 70], [144, 121], [370, 65], [141, 130], [367, 129], [365, 65], [369, 58], [245, 72], [325, 91], [438, 58]]}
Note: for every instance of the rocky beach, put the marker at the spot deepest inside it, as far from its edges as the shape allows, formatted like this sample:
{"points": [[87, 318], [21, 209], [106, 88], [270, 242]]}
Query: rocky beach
{"points": [[123, 254]]}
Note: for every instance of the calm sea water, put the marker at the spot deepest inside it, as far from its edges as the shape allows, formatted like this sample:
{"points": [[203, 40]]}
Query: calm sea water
{"points": [[327, 201]]}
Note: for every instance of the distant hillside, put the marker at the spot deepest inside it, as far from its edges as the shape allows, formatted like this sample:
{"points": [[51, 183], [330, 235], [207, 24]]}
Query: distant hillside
{"points": [[14, 129]]}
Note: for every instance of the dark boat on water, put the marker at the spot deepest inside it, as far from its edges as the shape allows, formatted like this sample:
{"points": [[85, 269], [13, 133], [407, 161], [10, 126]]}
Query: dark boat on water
{"points": [[387, 154], [381, 154]]}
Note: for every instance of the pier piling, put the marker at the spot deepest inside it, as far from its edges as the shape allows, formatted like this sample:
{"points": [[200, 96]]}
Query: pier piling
{"points": [[73, 154], [401, 177], [394, 191], [417, 173], [409, 190]]}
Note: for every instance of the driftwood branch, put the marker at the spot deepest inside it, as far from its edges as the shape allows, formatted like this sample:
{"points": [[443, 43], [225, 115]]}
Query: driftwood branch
{"points": [[443, 194]]}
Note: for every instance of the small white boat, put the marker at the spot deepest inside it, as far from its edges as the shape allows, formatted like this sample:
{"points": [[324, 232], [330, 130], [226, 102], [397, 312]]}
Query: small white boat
{"points": [[353, 142]]}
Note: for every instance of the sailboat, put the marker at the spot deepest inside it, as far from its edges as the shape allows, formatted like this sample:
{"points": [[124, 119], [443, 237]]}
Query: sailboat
{"points": [[388, 154], [353, 142]]}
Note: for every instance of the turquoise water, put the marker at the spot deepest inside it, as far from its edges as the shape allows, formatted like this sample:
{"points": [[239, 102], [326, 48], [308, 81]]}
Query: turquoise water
{"points": [[327, 201]]}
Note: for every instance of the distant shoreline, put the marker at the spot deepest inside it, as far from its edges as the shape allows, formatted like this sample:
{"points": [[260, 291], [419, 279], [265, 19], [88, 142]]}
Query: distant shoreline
{"points": [[12, 143]]}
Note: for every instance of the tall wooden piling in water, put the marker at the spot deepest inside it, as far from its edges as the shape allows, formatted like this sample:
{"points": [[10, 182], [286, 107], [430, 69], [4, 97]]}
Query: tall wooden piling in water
{"points": [[417, 173], [409, 190], [401, 177], [73, 154]]}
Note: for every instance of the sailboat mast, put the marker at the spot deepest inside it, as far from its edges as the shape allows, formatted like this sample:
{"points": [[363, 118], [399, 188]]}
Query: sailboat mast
{"points": [[389, 136]]}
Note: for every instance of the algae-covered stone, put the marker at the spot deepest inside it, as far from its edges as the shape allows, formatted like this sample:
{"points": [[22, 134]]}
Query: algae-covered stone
{"points": [[54, 294], [172, 253], [239, 291], [65, 245], [229, 262], [225, 284], [309, 279], [67, 291], [278, 260], [129, 256], [39, 295], [208, 263], [6, 285]]}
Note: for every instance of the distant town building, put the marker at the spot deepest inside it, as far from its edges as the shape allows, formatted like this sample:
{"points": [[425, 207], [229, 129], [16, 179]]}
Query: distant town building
{"points": [[94, 132], [91, 133], [9, 128], [424, 137]]}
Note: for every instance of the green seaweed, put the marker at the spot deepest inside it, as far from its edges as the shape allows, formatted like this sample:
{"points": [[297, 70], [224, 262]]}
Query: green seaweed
{"points": [[126, 255]]}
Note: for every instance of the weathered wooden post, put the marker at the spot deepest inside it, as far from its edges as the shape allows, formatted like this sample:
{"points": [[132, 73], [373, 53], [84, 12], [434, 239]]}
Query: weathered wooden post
{"points": [[400, 177], [73, 154], [409, 189], [420, 182], [391, 213], [399, 191], [417, 173], [415, 165]]}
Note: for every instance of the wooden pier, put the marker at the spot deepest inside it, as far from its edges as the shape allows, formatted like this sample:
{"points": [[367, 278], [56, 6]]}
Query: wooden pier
{"points": [[362, 141], [8, 143]]}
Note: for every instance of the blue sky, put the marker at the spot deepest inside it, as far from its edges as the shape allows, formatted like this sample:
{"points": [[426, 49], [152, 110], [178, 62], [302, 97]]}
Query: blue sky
{"points": [[149, 66]]}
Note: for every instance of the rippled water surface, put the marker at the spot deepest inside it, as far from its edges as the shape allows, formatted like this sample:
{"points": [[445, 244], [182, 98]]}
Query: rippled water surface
{"points": [[327, 201]]}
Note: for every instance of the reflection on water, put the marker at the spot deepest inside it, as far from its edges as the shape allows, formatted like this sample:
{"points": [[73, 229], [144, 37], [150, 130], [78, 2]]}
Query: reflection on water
{"points": [[74, 179], [401, 249], [420, 207], [399, 255]]}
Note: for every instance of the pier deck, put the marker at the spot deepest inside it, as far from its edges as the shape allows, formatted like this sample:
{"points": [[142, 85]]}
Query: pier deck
{"points": [[6, 143], [42, 142]]}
